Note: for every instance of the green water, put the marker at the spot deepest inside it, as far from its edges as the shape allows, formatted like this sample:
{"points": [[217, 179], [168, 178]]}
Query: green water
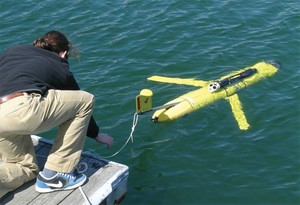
{"points": [[203, 158]]}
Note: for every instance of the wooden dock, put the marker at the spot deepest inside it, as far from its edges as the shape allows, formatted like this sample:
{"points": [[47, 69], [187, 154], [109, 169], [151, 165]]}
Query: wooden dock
{"points": [[107, 183]]}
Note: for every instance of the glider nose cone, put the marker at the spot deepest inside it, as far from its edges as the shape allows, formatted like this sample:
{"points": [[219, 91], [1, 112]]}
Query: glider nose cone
{"points": [[154, 119], [160, 117]]}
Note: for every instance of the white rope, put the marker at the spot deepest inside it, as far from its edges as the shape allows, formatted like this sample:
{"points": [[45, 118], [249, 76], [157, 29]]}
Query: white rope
{"points": [[84, 164], [134, 123], [84, 196], [82, 167]]}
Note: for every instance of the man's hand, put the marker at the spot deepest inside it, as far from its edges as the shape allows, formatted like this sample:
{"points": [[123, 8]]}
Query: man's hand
{"points": [[104, 139]]}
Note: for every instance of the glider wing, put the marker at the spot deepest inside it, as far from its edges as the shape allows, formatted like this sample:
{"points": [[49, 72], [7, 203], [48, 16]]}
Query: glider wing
{"points": [[180, 81], [238, 112]]}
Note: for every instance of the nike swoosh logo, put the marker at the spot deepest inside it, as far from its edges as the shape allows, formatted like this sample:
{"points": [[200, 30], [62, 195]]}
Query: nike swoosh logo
{"points": [[57, 185]]}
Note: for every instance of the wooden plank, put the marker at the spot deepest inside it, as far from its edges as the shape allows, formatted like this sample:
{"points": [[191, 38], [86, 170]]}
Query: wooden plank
{"points": [[107, 182], [21, 195], [113, 185], [52, 198], [99, 186]]}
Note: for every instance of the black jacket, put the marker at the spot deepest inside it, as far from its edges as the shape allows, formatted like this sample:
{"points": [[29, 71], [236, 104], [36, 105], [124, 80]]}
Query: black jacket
{"points": [[28, 68]]}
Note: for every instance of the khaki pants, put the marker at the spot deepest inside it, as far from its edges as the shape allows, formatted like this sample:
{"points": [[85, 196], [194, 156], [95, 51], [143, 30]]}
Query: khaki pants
{"points": [[31, 114]]}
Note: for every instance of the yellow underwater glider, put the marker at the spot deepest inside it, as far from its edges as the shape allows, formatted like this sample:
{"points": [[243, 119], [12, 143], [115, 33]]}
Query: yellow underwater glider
{"points": [[210, 91]]}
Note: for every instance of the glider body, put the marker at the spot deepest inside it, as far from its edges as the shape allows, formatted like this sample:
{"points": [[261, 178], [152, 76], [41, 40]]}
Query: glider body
{"points": [[203, 96]]}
